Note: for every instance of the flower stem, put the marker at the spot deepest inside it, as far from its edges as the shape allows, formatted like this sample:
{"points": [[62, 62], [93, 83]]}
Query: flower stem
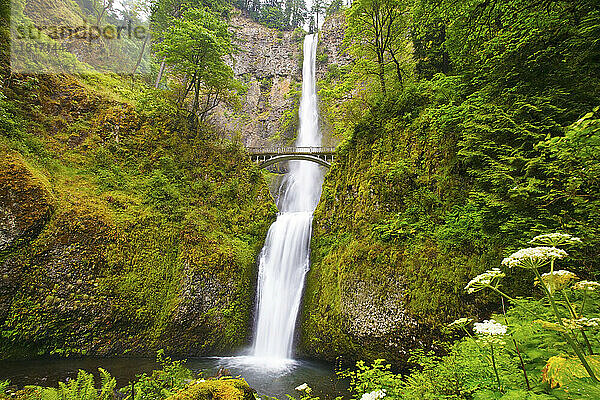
{"points": [[514, 301], [575, 316], [471, 336], [517, 349], [566, 334], [495, 369]]}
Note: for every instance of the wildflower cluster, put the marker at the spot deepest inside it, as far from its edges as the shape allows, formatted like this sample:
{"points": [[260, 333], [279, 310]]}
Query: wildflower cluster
{"points": [[303, 388], [555, 239], [552, 282], [557, 280], [484, 280], [533, 257], [581, 323], [374, 395], [489, 327], [587, 285]]}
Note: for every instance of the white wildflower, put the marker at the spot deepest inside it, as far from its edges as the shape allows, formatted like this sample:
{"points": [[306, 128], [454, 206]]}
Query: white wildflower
{"points": [[374, 395], [586, 285], [555, 239], [490, 328], [485, 279], [581, 323], [533, 257], [303, 387]]}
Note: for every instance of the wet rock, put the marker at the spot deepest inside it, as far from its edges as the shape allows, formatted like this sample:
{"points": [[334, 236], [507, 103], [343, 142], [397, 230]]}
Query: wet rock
{"points": [[331, 38], [269, 64]]}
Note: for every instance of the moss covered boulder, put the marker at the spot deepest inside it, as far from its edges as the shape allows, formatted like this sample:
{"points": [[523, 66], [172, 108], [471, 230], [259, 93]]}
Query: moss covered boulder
{"points": [[25, 201], [216, 389], [25, 207]]}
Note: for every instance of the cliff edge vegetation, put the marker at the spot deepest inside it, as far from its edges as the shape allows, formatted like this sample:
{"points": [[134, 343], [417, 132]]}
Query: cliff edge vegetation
{"points": [[477, 130], [123, 231]]}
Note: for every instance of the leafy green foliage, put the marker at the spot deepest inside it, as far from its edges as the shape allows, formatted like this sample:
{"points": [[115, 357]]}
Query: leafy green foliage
{"points": [[440, 177], [368, 378], [3, 386], [375, 38], [465, 372], [160, 384], [197, 45], [81, 388], [560, 371]]}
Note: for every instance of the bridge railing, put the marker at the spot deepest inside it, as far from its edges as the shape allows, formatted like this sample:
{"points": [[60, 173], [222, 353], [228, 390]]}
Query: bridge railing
{"points": [[290, 150]]}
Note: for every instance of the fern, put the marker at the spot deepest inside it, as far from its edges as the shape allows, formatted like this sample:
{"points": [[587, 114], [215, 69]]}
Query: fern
{"points": [[82, 388], [107, 391], [3, 386]]}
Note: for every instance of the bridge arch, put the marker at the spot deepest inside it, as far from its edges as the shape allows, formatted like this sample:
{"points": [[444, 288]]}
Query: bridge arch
{"points": [[266, 157], [290, 157]]}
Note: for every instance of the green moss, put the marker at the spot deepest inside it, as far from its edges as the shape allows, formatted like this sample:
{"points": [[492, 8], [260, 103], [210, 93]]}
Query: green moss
{"points": [[216, 389], [143, 216], [289, 121]]}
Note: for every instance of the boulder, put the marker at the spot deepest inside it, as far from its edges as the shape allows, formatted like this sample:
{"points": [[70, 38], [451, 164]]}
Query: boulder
{"points": [[25, 204], [216, 389]]}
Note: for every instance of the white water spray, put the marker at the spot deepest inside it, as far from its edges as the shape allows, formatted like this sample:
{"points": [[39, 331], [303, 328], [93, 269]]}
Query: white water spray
{"points": [[284, 260]]}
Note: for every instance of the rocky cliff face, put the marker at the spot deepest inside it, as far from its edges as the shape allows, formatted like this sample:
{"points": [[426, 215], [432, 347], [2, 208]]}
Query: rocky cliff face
{"points": [[270, 65], [331, 61], [331, 50]]}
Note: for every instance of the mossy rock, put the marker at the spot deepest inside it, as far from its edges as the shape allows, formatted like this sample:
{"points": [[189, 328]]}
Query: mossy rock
{"points": [[216, 389], [25, 200]]}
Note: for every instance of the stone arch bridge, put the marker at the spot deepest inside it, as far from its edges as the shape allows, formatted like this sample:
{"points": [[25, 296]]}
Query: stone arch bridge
{"points": [[266, 157]]}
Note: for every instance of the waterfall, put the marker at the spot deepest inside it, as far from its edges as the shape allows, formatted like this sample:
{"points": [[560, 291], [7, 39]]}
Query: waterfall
{"points": [[284, 260]]}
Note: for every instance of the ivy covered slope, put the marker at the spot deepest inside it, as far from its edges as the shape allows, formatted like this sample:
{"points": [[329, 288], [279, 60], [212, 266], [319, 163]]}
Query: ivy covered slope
{"points": [[490, 137], [120, 231]]}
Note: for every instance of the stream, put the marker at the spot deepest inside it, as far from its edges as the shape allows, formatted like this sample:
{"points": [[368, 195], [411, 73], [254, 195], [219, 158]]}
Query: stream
{"points": [[266, 381]]}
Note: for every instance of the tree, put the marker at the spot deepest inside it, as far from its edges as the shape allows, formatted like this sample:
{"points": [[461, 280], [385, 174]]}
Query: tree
{"points": [[295, 13], [100, 8], [196, 47], [272, 16], [333, 7], [377, 29], [165, 11], [311, 25], [318, 7]]}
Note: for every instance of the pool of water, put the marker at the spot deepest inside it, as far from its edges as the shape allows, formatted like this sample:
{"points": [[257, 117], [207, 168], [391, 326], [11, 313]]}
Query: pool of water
{"points": [[274, 378]]}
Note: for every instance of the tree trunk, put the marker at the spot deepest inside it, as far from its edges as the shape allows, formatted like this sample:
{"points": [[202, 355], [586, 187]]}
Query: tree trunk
{"points": [[381, 72], [398, 69], [139, 60], [161, 70]]}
